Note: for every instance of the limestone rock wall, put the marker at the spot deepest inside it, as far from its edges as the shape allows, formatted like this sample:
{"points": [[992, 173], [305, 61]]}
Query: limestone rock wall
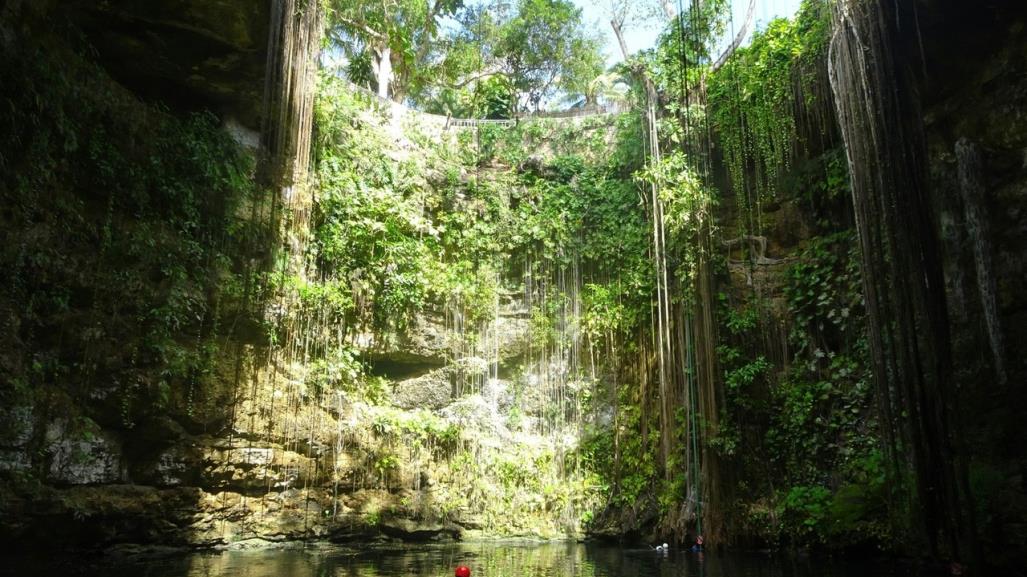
{"points": [[296, 464], [975, 116]]}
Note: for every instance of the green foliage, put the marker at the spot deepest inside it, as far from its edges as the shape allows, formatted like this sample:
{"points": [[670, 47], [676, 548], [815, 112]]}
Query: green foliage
{"points": [[628, 474], [753, 101], [818, 478], [497, 61], [606, 315], [340, 370], [687, 206], [805, 511], [416, 431], [854, 512], [684, 48], [431, 222], [474, 61], [746, 374], [393, 241], [494, 98], [825, 422], [402, 31], [822, 190], [824, 294], [466, 214], [372, 518], [547, 46]]}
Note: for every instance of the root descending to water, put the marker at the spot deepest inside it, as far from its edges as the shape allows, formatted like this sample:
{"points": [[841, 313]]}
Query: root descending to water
{"points": [[908, 325]]}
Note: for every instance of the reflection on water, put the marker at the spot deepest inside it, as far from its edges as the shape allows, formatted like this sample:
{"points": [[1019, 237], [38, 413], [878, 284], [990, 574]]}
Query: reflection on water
{"points": [[485, 560]]}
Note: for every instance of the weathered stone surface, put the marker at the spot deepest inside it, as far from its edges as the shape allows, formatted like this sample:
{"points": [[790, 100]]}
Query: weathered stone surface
{"points": [[83, 455], [474, 412], [431, 391], [410, 529], [14, 460], [426, 341], [15, 426], [176, 466], [514, 331], [15, 433], [208, 52], [497, 393], [256, 468]]}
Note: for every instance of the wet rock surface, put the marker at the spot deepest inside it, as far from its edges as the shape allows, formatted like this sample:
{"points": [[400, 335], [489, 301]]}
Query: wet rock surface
{"points": [[206, 52]]}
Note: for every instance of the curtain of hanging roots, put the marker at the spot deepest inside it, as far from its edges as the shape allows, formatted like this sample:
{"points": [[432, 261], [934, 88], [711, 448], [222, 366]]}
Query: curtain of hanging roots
{"points": [[907, 322], [270, 406]]}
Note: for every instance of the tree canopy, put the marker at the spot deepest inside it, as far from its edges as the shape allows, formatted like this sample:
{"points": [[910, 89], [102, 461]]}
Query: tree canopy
{"points": [[473, 59], [390, 44], [546, 47]]}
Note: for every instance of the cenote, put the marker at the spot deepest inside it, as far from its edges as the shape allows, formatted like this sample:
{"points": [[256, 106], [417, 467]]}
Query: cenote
{"points": [[431, 280]]}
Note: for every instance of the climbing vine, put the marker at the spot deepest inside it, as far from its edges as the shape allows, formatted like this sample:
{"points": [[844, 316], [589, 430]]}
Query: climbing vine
{"points": [[755, 99]]}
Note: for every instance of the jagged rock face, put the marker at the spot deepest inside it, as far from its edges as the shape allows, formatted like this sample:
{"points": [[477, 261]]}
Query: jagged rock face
{"points": [[188, 53], [428, 343], [982, 105], [425, 342], [421, 363], [478, 414], [15, 435], [276, 461], [209, 490], [91, 457], [429, 391], [979, 104], [113, 514]]}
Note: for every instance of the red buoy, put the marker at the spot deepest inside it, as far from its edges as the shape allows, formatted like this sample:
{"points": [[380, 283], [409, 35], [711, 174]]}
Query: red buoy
{"points": [[463, 571]]}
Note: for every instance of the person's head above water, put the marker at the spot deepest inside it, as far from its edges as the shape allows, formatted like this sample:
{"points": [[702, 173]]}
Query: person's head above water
{"points": [[462, 571]]}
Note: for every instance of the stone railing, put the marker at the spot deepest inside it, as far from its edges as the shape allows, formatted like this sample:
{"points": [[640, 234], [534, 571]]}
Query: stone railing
{"points": [[399, 110]]}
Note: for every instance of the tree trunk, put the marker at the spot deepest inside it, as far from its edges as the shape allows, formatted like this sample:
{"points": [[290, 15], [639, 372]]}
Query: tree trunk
{"points": [[383, 69], [620, 37], [740, 37], [668, 9]]}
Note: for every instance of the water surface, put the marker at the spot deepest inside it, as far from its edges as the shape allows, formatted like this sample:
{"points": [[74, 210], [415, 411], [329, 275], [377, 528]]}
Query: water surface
{"points": [[485, 560]]}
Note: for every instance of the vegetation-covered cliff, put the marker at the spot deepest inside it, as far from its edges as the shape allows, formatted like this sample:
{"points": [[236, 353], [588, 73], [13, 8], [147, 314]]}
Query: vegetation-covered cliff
{"points": [[771, 299]]}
